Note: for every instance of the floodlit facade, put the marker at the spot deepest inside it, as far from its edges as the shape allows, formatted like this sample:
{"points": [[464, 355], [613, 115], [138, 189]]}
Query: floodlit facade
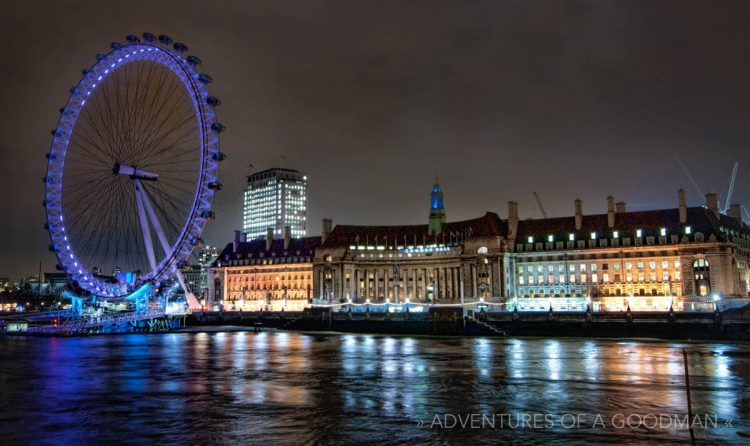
{"points": [[647, 260], [263, 274], [275, 198]]}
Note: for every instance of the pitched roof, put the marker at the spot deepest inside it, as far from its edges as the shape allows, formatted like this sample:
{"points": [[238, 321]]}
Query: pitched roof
{"points": [[488, 225], [650, 222], [254, 249]]}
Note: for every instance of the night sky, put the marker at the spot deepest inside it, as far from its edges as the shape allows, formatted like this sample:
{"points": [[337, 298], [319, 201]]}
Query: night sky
{"points": [[373, 100]]}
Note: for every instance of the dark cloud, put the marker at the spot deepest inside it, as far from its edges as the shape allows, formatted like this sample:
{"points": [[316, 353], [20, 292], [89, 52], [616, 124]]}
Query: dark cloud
{"points": [[375, 99]]}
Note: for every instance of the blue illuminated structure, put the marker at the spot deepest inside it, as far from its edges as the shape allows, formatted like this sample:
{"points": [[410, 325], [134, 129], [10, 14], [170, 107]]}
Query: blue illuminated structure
{"points": [[437, 211], [134, 158]]}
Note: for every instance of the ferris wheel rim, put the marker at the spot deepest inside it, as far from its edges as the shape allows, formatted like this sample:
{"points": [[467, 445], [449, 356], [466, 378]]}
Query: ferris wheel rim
{"points": [[208, 129]]}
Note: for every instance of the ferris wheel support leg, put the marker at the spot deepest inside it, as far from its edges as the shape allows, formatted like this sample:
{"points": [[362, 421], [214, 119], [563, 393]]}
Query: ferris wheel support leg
{"points": [[152, 216], [192, 301], [144, 226]]}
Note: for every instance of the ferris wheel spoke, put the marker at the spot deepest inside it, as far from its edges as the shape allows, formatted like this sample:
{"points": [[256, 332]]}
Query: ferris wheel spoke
{"points": [[104, 140], [159, 101], [105, 121], [88, 145], [89, 226], [158, 137], [154, 124]]}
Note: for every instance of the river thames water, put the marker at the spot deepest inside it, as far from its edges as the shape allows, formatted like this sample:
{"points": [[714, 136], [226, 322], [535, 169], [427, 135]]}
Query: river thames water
{"points": [[292, 388]]}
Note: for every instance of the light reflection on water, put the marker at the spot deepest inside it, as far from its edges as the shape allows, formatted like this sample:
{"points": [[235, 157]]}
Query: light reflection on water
{"points": [[291, 388]]}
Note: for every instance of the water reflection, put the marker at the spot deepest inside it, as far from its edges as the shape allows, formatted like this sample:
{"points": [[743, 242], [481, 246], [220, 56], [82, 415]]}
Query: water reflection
{"points": [[290, 388]]}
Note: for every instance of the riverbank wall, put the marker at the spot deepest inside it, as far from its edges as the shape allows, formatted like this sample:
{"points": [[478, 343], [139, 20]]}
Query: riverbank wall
{"points": [[731, 325]]}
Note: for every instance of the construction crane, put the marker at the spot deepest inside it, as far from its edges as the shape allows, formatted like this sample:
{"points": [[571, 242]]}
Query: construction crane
{"points": [[692, 181], [541, 206], [731, 187]]}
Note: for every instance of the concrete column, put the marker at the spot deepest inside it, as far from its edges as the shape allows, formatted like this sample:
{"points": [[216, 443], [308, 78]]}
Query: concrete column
{"points": [[436, 281], [367, 283], [474, 283]]}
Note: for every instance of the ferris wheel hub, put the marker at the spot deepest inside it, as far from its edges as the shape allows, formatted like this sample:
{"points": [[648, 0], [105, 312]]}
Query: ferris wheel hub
{"points": [[134, 173]]}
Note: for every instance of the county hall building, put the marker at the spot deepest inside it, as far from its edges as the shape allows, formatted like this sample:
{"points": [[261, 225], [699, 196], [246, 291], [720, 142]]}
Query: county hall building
{"points": [[645, 260]]}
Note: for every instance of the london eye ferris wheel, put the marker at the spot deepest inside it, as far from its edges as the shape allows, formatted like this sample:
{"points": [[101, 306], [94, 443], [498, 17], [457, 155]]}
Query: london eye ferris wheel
{"points": [[133, 167]]}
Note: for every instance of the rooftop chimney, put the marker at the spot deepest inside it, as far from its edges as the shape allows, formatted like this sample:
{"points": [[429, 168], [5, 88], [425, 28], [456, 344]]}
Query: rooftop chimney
{"points": [[683, 206], [236, 242], [610, 212], [735, 211], [579, 214], [269, 238], [620, 207], [512, 220], [327, 224], [712, 203], [287, 236]]}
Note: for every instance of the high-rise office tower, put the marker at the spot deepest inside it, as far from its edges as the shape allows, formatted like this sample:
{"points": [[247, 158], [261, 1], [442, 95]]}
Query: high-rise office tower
{"points": [[275, 198]]}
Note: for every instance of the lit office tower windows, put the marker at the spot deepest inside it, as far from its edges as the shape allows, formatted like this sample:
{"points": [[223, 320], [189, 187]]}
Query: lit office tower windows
{"points": [[275, 198]]}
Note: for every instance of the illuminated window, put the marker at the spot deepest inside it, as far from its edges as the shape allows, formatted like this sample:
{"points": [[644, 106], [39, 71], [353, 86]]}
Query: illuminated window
{"points": [[615, 234], [550, 238], [593, 236], [531, 239], [688, 230], [571, 237], [663, 232], [639, 233], [628, 266]]}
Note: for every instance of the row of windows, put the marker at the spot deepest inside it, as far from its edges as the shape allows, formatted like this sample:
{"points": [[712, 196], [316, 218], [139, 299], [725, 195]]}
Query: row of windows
{"points": [[615, 234], [605, 278], [664, 264]]}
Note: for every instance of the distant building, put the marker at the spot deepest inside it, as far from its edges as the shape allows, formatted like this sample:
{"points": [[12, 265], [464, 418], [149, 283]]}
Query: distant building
{"points": [[263, 274], [196, 276], [275, 198]]}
